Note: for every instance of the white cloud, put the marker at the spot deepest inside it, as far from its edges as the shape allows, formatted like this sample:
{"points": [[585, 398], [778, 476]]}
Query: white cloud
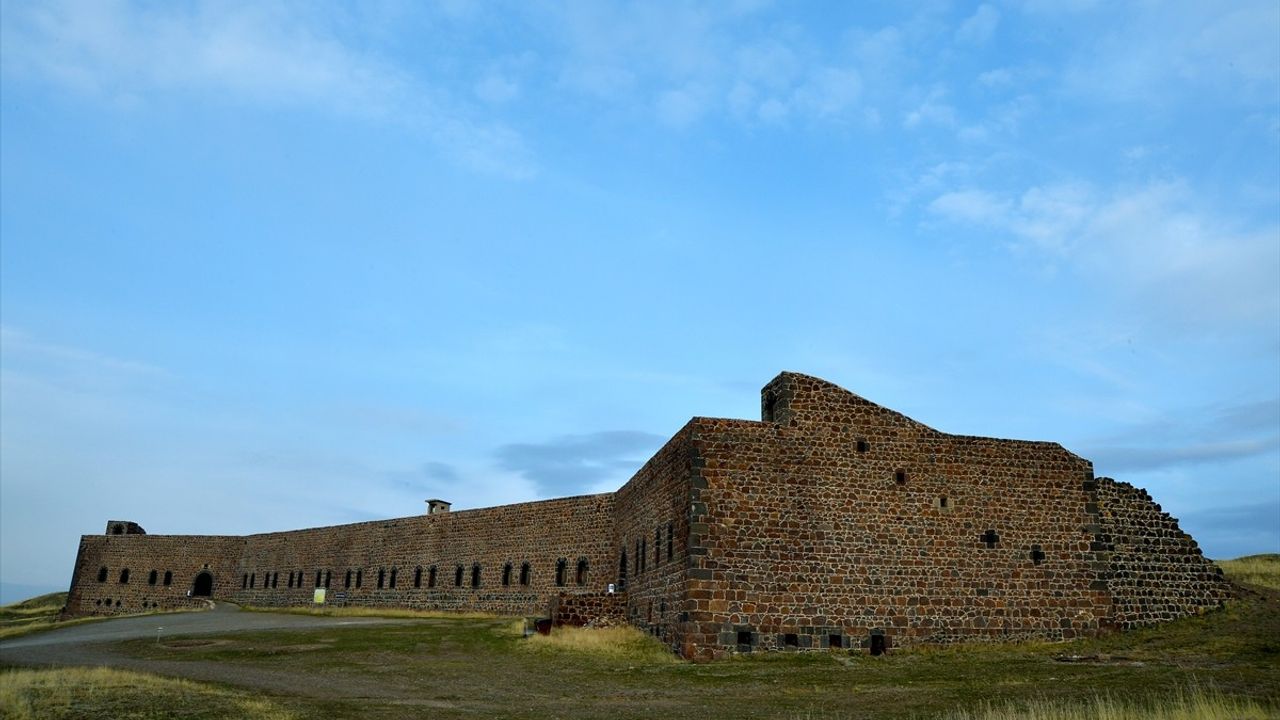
{"points": [[1187, 265], [680, 108], [971, 206], [495, 88], [1186, 50], [979, 27], [931, 111], [257, 54]]}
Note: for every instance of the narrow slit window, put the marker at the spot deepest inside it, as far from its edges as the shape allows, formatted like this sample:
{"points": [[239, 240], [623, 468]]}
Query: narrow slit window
{"points": [[525, 570], [382, 577], [153, 577], [392, 582], [581, 575], [561, 564], [359, 577], [457, 576], [168, 577], [506, 574], [670, 540], [475, 575], [328, 575], [417, 577], [102, 574], [431, 577], [346, 582]]}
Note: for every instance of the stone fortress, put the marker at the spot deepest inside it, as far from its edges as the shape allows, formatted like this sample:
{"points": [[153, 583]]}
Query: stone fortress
{"points": [[831, 522]]}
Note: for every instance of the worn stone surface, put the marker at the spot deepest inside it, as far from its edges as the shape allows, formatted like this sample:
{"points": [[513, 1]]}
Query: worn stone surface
{"points": [[597, 609], [832, 522]]}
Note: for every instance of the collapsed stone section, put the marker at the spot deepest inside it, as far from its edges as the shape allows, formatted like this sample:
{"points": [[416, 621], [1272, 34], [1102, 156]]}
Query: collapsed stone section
{"points": [[831, 522], [1155, 571]]}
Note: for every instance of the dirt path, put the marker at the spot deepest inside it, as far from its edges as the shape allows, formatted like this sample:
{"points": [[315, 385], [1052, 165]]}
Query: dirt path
{"points": [[93, 644]]}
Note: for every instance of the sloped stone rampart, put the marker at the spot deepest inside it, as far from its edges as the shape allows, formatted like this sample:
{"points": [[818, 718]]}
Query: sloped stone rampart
{"points": [[1155, 571]]}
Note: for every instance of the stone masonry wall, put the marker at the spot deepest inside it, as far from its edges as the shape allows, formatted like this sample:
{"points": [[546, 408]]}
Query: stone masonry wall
{"points": [[599, 609], [652, 526], [842, 521], [832, 522], [566, 543], [127, 573], [1156, 572]]}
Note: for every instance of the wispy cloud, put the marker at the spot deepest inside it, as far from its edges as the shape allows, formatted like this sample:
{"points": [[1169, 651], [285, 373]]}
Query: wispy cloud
{"points": [[1187, 264], [260, 54], [579, 463], [1150, 53], [978, 28]]}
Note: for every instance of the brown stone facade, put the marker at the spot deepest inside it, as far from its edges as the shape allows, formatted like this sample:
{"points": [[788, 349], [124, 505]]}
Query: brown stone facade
{"points": [[830, 523]]}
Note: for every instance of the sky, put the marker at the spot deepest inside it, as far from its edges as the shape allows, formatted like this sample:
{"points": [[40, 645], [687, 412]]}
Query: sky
{"points": [[268, 266]]}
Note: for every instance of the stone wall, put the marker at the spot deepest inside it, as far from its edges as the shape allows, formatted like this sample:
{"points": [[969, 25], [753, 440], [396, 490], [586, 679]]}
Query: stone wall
{"points": [[131, 573], [832, 522], [479, 559], [1155, 572], [842, 521], [652, 524], [598, 609]]}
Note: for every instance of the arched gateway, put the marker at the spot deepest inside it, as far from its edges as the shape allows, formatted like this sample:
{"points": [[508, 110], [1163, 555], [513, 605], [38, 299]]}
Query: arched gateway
{"points": [[203, 586]]}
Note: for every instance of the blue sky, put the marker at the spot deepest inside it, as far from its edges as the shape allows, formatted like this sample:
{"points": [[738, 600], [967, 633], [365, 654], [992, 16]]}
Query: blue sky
{"points": [[270, 266]]}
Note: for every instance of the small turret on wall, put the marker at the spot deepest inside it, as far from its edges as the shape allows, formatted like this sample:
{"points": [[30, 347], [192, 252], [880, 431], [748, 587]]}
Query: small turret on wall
{"points": [[436, 507], [124, 527]]}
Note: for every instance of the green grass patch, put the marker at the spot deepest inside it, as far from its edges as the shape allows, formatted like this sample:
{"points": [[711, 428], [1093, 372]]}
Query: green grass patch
{"points": [[33, 614], [1258, 570], [1193, 704], [89, 693]]}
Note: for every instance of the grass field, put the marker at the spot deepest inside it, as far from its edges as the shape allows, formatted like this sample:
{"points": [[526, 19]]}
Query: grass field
{"points": [[29, 615], [1254, 570], [1224, 664], [91, 693]]}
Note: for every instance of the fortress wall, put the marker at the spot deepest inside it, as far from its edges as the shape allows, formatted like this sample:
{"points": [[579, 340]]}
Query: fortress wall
{"points": [[1156, 572], [831, 523], [285, 568], [652, 528], [538, 533], [184, 556]]}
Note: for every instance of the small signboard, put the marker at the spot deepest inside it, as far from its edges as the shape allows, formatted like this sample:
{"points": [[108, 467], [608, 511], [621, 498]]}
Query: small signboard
{"points": [[340, 598], [319, 596]]}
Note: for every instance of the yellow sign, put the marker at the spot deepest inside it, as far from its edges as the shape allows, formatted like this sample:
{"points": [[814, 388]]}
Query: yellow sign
{"points": [[319, 598]]}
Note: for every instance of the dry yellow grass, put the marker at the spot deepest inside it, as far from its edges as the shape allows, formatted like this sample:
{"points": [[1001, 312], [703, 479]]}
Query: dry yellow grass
{"points": [[1263, 570], [103, 692], [617, 643], [1194, 704]]}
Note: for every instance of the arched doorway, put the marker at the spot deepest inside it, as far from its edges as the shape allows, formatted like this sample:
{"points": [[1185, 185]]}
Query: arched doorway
{"points": [[203, 586]]}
